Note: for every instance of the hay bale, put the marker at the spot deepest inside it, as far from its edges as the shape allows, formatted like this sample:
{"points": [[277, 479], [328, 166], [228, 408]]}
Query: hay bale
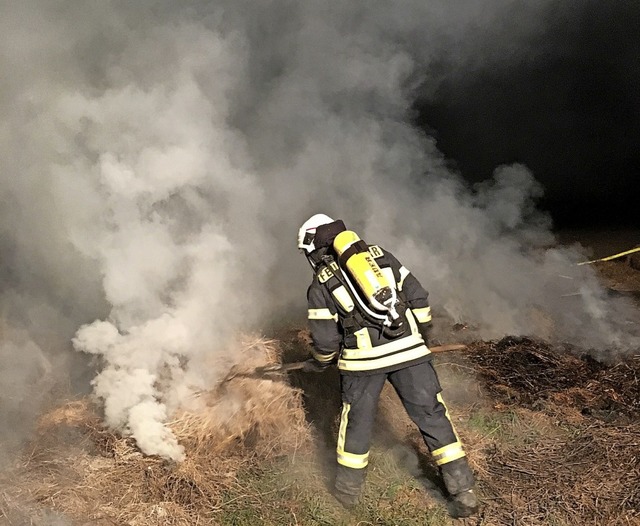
{"points": [[247, 409], [77, 467]]}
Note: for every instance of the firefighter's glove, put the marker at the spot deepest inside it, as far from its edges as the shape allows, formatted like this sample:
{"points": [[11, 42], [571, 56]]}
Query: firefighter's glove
{"points": [[314, 366]]}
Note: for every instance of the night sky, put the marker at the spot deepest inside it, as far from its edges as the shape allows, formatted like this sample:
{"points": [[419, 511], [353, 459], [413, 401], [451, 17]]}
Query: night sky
{"points": [[569, 110]]}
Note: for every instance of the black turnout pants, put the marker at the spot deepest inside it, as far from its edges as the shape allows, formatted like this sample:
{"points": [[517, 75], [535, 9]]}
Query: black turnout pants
{"points": [[418, 388]]}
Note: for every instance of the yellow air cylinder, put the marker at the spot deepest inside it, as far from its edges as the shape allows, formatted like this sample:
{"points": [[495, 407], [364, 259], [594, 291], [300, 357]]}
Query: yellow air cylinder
{"points": [[364, 269]]}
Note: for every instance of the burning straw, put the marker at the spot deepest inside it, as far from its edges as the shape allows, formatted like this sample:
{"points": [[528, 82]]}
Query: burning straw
{"points": [[81, 470]]}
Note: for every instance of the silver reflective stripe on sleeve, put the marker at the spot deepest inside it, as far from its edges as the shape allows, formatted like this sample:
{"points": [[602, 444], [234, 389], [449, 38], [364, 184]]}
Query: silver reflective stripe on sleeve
{"points": [[404, 272], [323, 358], [321, 314], [423, 315]]}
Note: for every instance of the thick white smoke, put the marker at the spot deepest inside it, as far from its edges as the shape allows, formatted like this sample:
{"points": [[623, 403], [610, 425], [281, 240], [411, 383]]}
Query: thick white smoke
{"points": [[160, 156]]}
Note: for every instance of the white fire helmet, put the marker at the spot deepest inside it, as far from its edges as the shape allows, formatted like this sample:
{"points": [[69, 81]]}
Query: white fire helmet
{"points": [[308, 231]]}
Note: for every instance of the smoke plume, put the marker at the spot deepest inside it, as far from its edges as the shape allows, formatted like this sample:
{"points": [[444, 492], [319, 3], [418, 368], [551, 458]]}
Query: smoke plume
{"points": [[158, 158]]}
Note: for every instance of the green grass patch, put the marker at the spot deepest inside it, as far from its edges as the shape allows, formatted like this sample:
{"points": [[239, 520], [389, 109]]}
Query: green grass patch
{"points": [[519, 427], [295, 491], [495, 424]]}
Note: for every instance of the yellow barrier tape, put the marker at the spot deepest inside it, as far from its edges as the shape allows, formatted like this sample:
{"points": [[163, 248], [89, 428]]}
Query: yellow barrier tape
{"points": [[609, 258]]}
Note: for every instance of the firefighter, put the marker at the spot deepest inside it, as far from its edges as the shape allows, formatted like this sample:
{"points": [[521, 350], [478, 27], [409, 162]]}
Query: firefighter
{"points": [[371, 345]]}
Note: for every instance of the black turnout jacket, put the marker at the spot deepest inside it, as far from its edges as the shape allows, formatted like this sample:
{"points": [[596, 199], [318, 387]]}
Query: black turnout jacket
{"points": [[339, 330]]}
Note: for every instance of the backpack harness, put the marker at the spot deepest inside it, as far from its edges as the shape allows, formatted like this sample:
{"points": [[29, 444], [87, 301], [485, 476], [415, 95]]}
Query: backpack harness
{"points": [[356, 311]]}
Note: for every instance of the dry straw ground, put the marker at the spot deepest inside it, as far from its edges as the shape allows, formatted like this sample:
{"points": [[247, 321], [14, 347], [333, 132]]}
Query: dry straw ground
{"points": [[573, 451], [553, 435]]}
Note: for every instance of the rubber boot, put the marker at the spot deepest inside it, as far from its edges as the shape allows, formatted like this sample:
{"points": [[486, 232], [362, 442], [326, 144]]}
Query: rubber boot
{"points": [[348, 485], [458, 479]]}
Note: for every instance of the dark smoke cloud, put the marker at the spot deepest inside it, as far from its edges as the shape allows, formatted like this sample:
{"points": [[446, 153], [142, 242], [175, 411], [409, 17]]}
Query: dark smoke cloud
{"points": [[564, 102], [160, 156]]}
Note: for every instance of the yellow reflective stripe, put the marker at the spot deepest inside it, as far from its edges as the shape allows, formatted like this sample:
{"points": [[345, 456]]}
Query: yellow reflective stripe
{"points": [[423, 315], [379, 363], [363, 340], [321, 314], [448, 453], [323, 358], [381, 350], [448, 449], [404, 272], [351, 460], [344, 420], [446, 413], [446, 409], [343, 298]]}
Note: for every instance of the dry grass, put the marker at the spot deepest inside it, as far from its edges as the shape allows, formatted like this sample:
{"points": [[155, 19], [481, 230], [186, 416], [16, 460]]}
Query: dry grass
{"points": [[619, 274], [552, 436], [80, 469], [570, 451]]}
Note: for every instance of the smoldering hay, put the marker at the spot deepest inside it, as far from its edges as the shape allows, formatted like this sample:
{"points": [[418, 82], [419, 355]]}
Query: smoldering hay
{"points": [[160, 156]]}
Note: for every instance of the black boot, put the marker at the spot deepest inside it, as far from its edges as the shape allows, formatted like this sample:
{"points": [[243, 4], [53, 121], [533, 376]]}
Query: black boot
{"points": [[347, 500], [459, 481], [464, 504], [348, 485]]}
